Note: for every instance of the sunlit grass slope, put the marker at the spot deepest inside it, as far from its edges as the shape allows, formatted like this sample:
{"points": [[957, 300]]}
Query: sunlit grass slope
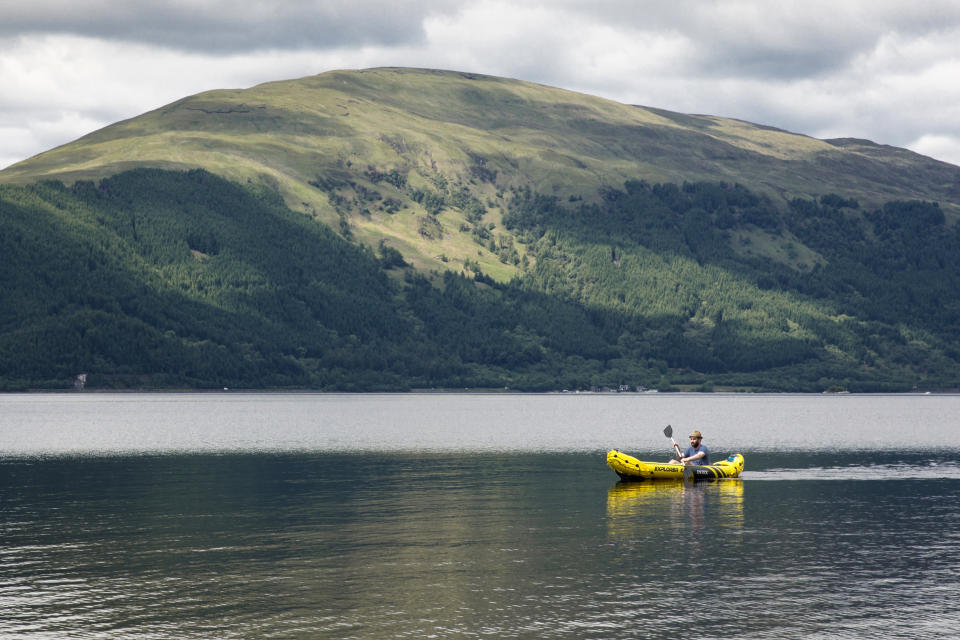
{"points": [[325, 143]]}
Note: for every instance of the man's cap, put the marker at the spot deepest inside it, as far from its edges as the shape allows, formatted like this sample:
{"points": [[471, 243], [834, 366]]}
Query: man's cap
{"points": [[696, 434]]}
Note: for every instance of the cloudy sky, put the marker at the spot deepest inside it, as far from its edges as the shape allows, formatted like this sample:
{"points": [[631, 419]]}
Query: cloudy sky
{"points": [[884, 70]]}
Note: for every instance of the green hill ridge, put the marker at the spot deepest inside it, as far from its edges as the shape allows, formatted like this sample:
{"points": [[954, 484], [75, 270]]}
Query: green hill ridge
{"points": [[405, 228]]}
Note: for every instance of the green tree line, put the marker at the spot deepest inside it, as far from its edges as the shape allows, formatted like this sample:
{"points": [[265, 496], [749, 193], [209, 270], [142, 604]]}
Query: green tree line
{"points": [[181, 279]]}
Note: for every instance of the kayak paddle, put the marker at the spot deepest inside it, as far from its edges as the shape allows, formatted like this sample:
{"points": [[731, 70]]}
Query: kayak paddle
{"points": [[687, 469], [669, 433]]}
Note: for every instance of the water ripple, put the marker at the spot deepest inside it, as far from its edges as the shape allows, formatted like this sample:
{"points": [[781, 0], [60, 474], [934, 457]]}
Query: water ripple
{"points": [[926, 470]]}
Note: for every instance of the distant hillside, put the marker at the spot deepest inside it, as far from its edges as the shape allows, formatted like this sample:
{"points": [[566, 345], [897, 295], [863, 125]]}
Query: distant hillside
{"points": [[402, 228], [468, 137]]}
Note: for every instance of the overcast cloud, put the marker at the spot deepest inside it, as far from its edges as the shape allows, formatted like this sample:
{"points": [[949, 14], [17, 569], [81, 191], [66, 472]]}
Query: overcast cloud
{"points": [[883, 70]]}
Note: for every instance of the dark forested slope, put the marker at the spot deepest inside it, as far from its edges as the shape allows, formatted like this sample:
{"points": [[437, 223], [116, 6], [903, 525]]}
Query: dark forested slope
{"points": [[182, 279]]}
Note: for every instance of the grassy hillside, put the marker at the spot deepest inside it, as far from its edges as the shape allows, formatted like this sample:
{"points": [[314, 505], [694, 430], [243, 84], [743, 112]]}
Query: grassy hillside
{"points": [[398, 228], [326, 142]]}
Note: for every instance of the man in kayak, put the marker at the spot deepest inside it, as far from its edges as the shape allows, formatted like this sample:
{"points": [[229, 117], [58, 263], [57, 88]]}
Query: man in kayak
{"points": [[696, 453]]}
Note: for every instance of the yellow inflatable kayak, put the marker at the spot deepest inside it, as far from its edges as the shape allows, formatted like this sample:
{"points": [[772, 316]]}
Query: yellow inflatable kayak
{"points": [[629, 468]]}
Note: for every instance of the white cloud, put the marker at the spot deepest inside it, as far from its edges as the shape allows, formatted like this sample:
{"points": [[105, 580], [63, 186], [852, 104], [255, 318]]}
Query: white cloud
{"points": [[942, 147]]}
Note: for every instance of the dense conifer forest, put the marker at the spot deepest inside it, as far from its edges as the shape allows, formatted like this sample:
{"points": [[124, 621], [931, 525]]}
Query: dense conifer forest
{"points": [[182, 279]]}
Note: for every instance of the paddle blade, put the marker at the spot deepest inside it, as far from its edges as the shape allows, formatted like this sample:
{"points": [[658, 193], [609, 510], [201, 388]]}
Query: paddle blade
{"points": [[668, 431]]}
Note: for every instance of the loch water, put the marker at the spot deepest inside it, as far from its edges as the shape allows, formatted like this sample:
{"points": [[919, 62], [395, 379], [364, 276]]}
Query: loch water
{"points": [[474, 516]]}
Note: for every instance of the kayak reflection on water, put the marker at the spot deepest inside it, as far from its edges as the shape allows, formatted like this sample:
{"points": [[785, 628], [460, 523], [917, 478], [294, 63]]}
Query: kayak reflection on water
{"points": [[634, 508]]}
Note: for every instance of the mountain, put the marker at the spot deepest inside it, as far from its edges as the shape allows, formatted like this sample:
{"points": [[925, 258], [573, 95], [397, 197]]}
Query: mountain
{"points": [[397, 228], [478, 132]]}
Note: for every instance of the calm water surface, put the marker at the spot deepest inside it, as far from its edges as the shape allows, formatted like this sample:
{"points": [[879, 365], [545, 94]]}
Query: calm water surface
{"points": [[487, 516]]}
